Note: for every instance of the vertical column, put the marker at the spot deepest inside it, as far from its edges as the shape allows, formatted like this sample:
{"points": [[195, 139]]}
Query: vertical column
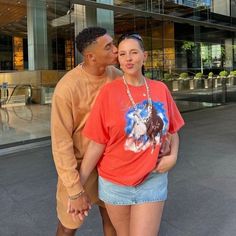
{"points": [[37, 34], [233, 8], [234, 51], [18, 61], [229, 54], [105, 18], [221, 7], [69, 54], [85, 16]]}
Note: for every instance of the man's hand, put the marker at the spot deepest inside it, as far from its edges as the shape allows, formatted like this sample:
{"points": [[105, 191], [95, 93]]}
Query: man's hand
{"points": [[79, 207]]}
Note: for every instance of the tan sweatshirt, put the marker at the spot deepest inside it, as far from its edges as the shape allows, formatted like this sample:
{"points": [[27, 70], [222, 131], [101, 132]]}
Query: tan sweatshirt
{"points": [[72, 100]]}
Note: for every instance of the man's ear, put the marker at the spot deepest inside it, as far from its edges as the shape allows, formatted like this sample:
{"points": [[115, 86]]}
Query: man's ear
{"points": [[90, 56]]}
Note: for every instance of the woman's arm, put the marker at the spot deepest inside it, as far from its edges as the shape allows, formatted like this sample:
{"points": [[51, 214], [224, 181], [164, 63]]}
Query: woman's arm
{"points": [[90, 160], [80, 205]]}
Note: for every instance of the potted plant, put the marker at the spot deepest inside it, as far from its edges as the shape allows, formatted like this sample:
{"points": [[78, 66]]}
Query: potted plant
{"points": [[199, 75], [222, 76], [210, 75], [223, 73], [208, 81], [232, 77], [183, 81], [167, 79], [198, 80]]}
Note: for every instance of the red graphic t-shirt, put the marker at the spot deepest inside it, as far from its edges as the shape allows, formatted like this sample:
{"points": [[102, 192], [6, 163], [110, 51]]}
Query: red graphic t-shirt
{"points": [[131, 151]]}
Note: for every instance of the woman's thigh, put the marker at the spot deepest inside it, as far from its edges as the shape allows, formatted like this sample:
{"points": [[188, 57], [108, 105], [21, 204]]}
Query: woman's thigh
{"points": [[120, 218], [145, 219]]}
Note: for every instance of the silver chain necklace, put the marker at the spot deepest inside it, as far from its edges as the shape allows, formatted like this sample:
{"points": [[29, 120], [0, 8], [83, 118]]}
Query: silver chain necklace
{"points": [[149, 108]]}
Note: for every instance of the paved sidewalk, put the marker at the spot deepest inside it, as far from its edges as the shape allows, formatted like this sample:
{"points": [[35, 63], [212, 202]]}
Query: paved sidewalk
{"points": [[202, 192]]}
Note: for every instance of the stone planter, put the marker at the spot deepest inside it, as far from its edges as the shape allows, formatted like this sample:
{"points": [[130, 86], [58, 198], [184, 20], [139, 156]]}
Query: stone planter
{"points": [[231, 80], [214, 82], [208, 83], [169, 84], [184, 84], [175, 85], [219, 80], [191, 84], [234, 80], [198, 83]]}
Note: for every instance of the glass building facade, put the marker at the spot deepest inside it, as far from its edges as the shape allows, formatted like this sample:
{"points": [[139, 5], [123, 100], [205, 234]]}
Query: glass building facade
{"points": [[191, 46]]}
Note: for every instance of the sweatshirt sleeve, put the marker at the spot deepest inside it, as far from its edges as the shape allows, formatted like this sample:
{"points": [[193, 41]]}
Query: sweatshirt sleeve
{"points": [[62, 143], [96, 127]]}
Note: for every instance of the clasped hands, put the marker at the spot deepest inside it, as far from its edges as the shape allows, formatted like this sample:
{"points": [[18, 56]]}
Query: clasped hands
{"points": [[79, 207]]}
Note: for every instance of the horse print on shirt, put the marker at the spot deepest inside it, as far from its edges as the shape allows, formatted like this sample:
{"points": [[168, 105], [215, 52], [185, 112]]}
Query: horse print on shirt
{"points": [[144, 131]]}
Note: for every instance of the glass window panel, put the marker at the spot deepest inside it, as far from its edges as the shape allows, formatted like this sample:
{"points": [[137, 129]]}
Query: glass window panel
{"points": [[173, 46]]}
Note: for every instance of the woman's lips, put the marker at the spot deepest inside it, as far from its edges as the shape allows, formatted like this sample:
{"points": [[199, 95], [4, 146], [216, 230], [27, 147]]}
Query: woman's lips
{"points": [[129, 66]]}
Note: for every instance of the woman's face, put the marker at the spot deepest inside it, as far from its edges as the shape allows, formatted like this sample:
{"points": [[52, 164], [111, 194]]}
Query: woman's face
{"points": [[131, 56]]}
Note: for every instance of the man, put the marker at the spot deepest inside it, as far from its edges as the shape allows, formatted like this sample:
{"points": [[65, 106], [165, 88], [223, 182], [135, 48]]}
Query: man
{"points": [[72, 100]]}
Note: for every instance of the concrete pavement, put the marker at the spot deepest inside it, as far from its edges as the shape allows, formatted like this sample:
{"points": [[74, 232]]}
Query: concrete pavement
{"points": [[202, 187]]}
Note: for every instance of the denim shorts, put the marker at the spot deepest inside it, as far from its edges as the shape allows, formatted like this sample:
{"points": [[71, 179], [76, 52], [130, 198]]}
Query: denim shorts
{"points": [[152, 189]]}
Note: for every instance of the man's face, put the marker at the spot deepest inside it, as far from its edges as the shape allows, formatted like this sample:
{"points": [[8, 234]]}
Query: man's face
{"points": [[104, 51]]}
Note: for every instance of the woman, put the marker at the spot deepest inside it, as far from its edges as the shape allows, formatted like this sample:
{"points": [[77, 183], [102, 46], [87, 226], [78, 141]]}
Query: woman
{"points": [[132, 117]]}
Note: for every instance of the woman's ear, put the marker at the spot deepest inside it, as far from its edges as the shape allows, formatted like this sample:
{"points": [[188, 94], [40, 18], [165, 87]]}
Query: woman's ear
{"points": [[145, 55]]}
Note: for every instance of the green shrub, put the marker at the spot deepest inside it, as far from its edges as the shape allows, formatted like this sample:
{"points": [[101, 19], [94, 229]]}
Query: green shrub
{"points": [[210, 75], [223, 73], [199, 75], [167, 76], [183, 75], [233, 72]]}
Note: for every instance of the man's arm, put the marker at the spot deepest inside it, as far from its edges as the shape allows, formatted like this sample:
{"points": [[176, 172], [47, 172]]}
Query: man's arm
{"points": [[62, 144]]}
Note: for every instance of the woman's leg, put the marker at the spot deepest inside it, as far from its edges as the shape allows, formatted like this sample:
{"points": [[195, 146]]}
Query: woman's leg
{"points": [[120, 218], [108, 228], [145, 219]]}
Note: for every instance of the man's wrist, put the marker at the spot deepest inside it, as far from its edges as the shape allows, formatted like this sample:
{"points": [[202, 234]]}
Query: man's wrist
{"points": [[78, 195]]}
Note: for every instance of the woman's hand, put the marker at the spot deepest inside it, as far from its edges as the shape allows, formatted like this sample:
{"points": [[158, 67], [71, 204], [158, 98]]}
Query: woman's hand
{"points": [[165, 163], [169, 155], [79, 207]]}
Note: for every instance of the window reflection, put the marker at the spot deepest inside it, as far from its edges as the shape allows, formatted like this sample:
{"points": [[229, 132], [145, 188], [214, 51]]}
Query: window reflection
{"points": [[181, 36]]}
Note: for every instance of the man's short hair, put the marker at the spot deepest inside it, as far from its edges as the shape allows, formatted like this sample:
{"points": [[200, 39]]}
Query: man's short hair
{"points": [[87, 36]]}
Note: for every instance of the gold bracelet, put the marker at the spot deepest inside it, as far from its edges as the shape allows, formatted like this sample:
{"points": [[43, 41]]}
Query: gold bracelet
{"points": [[74, 197]]}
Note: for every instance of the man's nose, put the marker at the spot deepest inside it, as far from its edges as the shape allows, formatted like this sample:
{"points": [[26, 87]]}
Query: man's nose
{"points": [[115, 50]]}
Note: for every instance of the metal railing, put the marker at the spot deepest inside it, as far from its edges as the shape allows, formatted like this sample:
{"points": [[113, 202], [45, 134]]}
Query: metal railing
{"points": [[7, 92]]}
